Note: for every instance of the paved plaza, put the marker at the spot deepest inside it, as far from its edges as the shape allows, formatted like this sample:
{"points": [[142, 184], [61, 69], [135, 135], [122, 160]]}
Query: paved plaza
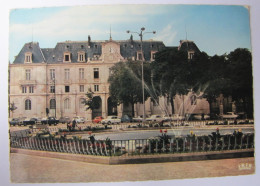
{"points": [[33, 169]]}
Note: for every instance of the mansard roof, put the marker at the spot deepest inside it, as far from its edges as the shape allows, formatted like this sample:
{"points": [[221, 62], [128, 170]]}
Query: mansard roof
{"points": [[128, 49], [34, 49], [187, 45]]}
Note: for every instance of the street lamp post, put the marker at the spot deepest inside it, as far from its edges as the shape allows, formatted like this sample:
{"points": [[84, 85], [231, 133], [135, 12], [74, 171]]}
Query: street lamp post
{"points": [[141, 34]]}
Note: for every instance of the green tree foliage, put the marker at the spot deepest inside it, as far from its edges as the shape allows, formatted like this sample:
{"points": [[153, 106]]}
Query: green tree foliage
{"points": [[230, 75], [210, 76], [12, 107], [241, 78], [91, 101], [126, 82], [171, 74]]}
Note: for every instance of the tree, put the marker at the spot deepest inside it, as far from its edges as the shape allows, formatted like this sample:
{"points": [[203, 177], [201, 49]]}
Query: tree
{"points": [[241, 78], [90, 101], [211, 78], [12, 107], [171, 74], [126, 84]]}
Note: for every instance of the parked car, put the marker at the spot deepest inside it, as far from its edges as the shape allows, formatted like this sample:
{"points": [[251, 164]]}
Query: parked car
{"points": [[31, 121], [201, 116], [157, 118], [241, 115], [65, 119], [229, 115], [14, 121], [138, 118], [50, 121], [167, 118], [79, 119], [177, 117], [126, 119], [111, 120], [214, 116], [97, 119]]}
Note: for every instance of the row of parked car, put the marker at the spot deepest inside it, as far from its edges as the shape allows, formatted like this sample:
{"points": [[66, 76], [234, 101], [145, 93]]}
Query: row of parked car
{"points": [[129, 119], [159, 118], [124, 118], [48, 120]]}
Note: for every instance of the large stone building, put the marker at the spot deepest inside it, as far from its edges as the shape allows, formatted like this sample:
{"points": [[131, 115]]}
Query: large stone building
{"points": [[55, 80]]}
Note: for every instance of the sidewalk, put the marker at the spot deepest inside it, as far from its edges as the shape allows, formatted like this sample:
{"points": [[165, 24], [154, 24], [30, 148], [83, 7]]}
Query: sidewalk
{"points": [[33, 169]]}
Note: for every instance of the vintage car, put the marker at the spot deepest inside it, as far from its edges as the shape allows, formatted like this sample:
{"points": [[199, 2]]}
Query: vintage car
{"points": [[111, 120], [157, 118], [229, 115], [79, 119], [201, 116], [126, 119], [14, 121], [50, 121], [97, 119], [65, 119]]}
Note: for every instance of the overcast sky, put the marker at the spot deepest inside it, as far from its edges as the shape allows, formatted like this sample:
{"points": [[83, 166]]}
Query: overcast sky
{"points": [[215, 29]]}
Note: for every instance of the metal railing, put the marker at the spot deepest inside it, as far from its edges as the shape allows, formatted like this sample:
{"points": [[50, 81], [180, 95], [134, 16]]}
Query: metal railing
{"points": [[160, 144]]}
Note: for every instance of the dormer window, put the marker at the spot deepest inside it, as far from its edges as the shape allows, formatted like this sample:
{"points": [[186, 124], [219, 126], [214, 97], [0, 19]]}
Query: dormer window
{"points": [[81, 57], [153, 55], [139, 56], [67, 57], [28, 57], [190, 54]]}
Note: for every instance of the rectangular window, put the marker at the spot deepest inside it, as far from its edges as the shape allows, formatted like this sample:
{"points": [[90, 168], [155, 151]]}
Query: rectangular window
{"points": [[28, 57], [81, 88], [24, 89], [81, 73], [81, 56], [96, 73], [52, 104], [153, 55], [67, 57], [67, 88], [31, 89], [96, 88], [52, 89], [52, 74], [67, 74], [28, 74], [140, 56], [190, 55]]}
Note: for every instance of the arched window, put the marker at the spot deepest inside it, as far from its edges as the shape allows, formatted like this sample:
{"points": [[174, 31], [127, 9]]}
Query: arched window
{"points": [[67, 104], [81, 103], [52, 104], [28, 104]]}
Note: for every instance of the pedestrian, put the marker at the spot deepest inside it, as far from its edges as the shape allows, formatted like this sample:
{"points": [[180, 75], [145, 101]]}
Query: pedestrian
{"points": [[74, 124], [69, 126]]}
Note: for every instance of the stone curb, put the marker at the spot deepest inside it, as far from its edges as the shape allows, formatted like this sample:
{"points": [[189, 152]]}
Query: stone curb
{"points": [[137, 159]]}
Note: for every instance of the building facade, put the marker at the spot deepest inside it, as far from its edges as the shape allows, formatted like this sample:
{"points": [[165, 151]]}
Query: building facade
{"points": [[54, 81]]}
